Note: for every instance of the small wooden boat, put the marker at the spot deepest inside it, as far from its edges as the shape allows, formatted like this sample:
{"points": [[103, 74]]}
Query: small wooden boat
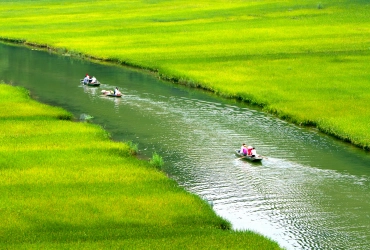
{"points": [[257, 158], [110, 93], [91, 84]]}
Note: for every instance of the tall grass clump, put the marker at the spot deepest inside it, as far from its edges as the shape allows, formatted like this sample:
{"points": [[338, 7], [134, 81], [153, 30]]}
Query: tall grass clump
{"points": [[134, 147], [66, 185], [157, 160]]}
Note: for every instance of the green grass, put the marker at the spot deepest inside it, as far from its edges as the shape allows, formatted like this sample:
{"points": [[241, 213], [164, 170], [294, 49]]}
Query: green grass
{"points": [[157, 161], [306, 61], [66, 185]]}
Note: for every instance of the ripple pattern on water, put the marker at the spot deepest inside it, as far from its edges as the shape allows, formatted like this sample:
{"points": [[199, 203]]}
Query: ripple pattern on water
{"points": [[288, 197]]}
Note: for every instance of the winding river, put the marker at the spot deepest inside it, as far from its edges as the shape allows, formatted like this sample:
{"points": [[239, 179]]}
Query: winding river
{"points": [[310, 191]]}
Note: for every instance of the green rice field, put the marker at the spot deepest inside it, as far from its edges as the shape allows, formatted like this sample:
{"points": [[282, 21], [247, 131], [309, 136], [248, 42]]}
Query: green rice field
{"points": [[305, 61], [66, 185]]}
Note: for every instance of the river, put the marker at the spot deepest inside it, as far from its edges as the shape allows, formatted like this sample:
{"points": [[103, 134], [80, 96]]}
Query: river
{"points": [[310, 191]]}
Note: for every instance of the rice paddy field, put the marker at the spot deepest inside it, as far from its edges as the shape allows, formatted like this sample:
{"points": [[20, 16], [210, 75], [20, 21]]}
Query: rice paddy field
{"points": [[66, 185], [305, 61]]}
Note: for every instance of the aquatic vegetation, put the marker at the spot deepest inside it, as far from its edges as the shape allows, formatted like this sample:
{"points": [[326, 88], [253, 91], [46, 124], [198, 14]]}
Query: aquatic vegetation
{"points": [[86, 117], [65, 184], [134, 147], [157, 160]]}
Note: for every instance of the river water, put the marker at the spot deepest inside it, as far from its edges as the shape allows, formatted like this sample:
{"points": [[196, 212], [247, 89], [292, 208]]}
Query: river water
{"points": [[310, 191]]}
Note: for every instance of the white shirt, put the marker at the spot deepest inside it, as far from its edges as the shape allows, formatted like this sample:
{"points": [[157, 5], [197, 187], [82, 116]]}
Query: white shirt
{"points": [[117, 92], [86, 79]]}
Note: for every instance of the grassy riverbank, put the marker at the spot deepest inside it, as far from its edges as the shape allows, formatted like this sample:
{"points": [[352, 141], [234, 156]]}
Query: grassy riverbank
{"points": [[65, 185], [306, 61]]}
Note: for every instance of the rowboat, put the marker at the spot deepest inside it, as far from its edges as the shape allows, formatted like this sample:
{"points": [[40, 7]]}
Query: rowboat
{"points": [[257, 158], [91, 84], [110, 93]]}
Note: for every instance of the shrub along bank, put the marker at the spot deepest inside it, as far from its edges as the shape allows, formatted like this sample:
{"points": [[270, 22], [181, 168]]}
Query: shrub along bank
{"points": [[305, 61], [66, 185]]}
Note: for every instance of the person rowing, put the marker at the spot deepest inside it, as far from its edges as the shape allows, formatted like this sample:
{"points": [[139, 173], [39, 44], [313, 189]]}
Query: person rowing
{"points": [[254, 152], [117, 92]]}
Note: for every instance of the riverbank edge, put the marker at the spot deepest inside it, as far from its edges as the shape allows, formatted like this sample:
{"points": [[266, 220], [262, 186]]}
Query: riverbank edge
{"points": [[225, 225], [177, 80]]}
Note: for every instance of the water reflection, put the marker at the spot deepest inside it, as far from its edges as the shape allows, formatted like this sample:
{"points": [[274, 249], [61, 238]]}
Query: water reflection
{"points": [[310, 192]]}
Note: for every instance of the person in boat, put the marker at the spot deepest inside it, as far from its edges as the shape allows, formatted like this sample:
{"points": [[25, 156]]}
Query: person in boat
{"points": [[117, 92], [86, 79], [253, 152], [93, 79], [243, 149], [249, 150]]}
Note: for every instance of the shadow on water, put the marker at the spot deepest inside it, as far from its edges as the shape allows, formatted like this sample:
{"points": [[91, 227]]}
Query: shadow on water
{"points": [[310, 192]]}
